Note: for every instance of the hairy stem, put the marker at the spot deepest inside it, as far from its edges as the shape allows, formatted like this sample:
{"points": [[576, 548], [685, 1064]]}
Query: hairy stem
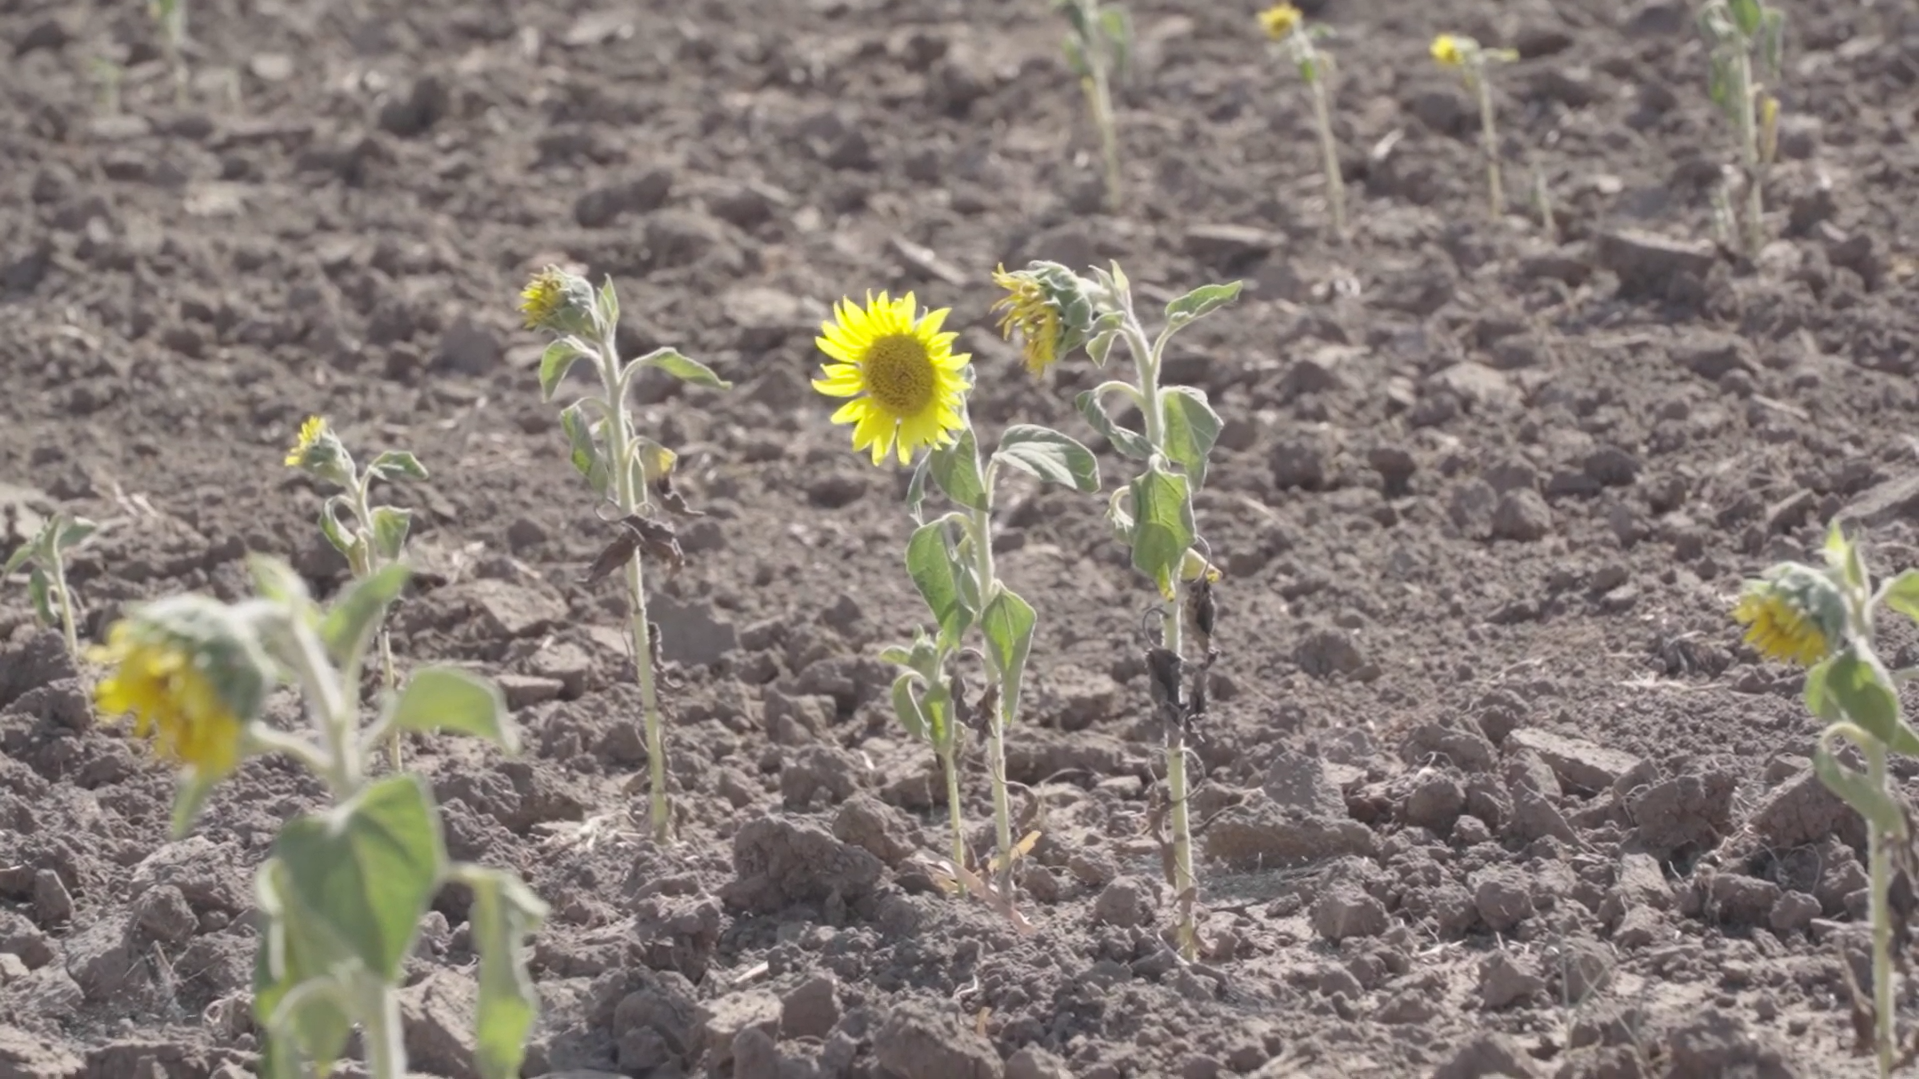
{"points": [[389, 677], [67, 627], [1099, 99], [631, 497], [385, 1048], [1747, 124], [1489, 142], [981, 527], [953, 814], [1880, 858], [1329, 150]]}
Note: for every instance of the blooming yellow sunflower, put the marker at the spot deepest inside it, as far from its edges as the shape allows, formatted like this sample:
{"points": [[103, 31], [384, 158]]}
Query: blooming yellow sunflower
{"points": [[171, 698], [310, 434], [1449, 50], [543, 297], [1279, 20], [907, 385], [1030, 311], [1779, 628]]}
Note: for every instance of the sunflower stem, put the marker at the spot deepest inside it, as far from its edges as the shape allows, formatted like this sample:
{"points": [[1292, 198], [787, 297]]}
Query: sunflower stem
{"points": [[631, 497], [385, 1047], [981, 528], [332, 710], [1879, 859], [1147, 361], [363, 567], [1329, 152], [953, 812], [1488, 136], [58, 566]]}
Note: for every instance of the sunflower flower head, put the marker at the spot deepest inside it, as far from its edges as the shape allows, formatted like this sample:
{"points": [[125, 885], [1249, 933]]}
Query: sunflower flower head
{"points": [[191, 676], [1450, 49], [1279, 20], [1795, 614], [907, 387], [319, 452], [1048, 305], [558, 301]]}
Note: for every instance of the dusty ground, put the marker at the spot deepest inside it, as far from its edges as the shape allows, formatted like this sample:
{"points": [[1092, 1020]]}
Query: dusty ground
{"points": [[1493, 788]]}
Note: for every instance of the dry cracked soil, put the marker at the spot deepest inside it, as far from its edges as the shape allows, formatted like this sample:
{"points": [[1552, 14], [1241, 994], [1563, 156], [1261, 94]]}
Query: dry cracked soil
{"points": [[1490, 786]]}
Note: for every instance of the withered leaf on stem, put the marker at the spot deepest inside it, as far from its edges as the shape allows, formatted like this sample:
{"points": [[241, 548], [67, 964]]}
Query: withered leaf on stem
{"points": [[651, 539], [671, 498]]}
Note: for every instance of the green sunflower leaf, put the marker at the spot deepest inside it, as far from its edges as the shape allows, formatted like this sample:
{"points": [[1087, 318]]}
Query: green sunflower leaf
{"points": [[1048, 455], [1128, 442], [335, 530], [1902, 594], [17, 559], [956, 469], [1853, 788], [916, 489], [906, 705], [398, 465], [1007, 623], [1199, 303], [1192, 429], [554, 364], [448, 699], [930, 559], [683, 368], [608, 302], [1162, 526], [1864, 692], [582, 448], [40, 591], [505, 912], [73, 533], [350, 623], [390, 524]]}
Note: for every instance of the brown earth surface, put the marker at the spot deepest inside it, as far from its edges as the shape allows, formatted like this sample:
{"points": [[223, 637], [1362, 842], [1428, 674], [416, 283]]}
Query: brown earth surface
{"points": [[1490, 787]]}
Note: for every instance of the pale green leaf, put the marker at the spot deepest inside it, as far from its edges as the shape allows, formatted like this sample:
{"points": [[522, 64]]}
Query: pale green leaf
{"points": [[449, 699], [1050, 456]]}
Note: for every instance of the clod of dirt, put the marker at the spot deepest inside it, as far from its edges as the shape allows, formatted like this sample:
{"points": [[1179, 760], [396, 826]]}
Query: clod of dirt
{"points": [[811, 1009], [1793, 912], [872, 825], [730, 1015], [1526, 770], [1504, 980], [1260, 834], [1435, 804], [1486, 1056], [657, 1024], [1299, 782], [1736, 899], [677, 932], [818, 773], [1690, 811], [1718, 1044], [1467, 750], [1523, 516], [436, 1018], [1503, 898], [1329, 650], [1580, 764], [1127, 902], [1346, 911], [31, 660], [28, 1057], [1647, 263], [1802, 810], [691, 633], [1578, 968], [1536, 817], [923, 1041], [752, 1053], [1033, 1062], [779, 862]]}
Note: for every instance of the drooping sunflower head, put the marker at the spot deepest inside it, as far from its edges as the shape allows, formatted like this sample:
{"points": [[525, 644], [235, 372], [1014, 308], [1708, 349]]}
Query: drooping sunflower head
{"points": [[907, 386], [1450, 49], [1279, 20], [319, 452], [558, 301], [1048, 305], [190, 675], [1795, 613]]}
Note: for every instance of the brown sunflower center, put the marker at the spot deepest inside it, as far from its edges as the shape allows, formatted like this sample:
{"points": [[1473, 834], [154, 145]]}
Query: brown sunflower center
{"points": [[898, 373]]}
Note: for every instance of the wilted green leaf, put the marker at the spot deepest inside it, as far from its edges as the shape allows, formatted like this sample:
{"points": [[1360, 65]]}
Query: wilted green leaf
{"points": [[335, 530], [683, 368], [398, 465], [554, 364], [1863, 690], [1852, 787], [929, 562], [73, 533], [1191, 430], [504, 913], [1162, 526], [40, 591], [1128, 442], [1049, 455], [449, 699], [367, 868], [1007, 623], [582, 448], [1199, 303], [906, 705], [390, 525], [956, 470], [17, 559]]}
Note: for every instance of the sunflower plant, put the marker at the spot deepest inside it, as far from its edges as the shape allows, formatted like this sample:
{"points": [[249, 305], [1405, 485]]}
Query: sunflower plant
{"points": [[622, 466], [1297, 43], [1747, 39], [905, 391], [1471, 60], [44, 559], [342, 892], [1823, 618], [369, 537], [1099, 43], [1055, 311]]}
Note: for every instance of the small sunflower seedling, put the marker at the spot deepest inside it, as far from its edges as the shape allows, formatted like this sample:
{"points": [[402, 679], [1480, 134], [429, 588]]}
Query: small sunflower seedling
{"points": [[370, 537], [1822, 618], [1055, 311], [623, 467], [1099, 42], [1747, 39], [1297, 43], [1471, 59], [342, 893], [906, 392], [44, 559]]}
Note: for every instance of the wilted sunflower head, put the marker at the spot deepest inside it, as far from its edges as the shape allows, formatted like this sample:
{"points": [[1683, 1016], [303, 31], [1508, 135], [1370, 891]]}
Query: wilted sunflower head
{"points": [[1450, 49], [558, 301], [1279, 20], [1795, 613], [1048, 305], [192, 676], [319, 452], [908, 386]]}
